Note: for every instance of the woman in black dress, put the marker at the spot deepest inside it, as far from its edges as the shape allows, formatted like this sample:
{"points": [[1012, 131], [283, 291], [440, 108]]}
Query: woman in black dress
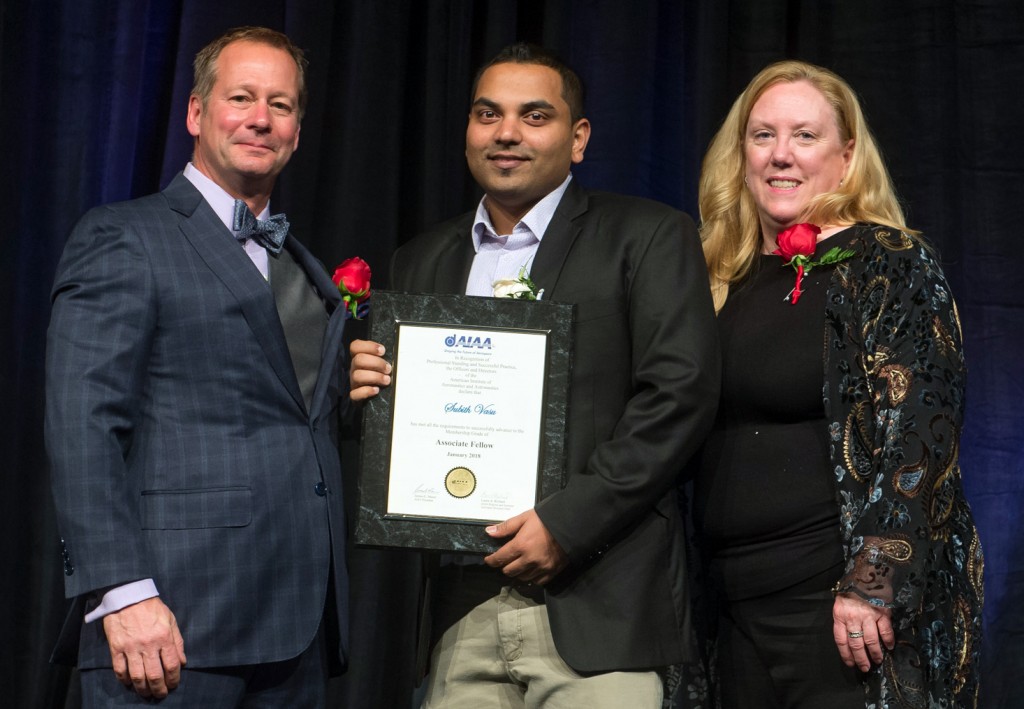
{"points": [[841, 550]]}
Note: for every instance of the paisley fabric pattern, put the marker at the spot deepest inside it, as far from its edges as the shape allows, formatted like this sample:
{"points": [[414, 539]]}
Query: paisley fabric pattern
{"points": [[894, 385]]}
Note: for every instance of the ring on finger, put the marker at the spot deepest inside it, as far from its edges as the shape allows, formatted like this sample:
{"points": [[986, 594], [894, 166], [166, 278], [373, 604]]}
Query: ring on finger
{"points": [[855, 634]]}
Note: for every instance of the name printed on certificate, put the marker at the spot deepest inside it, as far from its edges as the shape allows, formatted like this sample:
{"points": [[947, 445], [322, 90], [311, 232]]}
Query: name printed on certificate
{"points": [[467, 419]]}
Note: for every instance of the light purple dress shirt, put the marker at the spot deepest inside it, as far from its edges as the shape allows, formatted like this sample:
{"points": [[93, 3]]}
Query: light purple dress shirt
{"points": [[501, 256], [223, 206]]}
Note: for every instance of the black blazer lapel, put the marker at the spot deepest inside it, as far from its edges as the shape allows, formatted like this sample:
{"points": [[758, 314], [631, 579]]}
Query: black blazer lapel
{"points": [[558, 239], [455, 260], [215, 245]]}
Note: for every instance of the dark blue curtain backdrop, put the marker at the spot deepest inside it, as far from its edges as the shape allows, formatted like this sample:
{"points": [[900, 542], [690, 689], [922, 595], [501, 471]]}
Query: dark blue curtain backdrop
{"points": [[94, 105]]}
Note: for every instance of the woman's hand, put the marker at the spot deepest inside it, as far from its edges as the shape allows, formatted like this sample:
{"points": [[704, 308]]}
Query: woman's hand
{"points": [[860, 630]]}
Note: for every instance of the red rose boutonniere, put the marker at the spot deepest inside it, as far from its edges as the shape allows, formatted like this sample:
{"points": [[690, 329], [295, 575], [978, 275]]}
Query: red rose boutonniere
{"points": [[353, 280], [796, 246]]}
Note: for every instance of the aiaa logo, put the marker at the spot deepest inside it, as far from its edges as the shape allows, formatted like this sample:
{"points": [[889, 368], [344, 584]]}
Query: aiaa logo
{"points": [[480, 343]]}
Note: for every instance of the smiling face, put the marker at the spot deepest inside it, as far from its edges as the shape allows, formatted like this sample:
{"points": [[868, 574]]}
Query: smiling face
{"points": [[248, 127], [521, 140], [793, 152]]}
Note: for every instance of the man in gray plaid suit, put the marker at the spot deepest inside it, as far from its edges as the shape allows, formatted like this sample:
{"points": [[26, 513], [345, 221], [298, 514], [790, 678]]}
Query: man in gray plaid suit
{"points": [[192, 387]]}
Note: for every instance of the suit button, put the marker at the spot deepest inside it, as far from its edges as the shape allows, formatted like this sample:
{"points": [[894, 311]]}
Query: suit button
{"points": [[320, 489]]}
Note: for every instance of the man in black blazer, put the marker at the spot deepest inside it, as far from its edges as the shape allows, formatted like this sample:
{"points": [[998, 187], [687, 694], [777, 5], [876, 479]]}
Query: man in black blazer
{"points": [[192, 389], [597, 568]]}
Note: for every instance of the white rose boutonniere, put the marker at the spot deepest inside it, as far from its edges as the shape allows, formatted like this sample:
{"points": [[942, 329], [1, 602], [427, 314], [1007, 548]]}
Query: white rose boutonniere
{"points": [[520, 288]]}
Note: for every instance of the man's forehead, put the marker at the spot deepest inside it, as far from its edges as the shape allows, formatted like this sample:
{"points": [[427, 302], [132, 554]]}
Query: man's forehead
{"points": [[246, 51], [526, 105], [238, 65], [521, 85]]}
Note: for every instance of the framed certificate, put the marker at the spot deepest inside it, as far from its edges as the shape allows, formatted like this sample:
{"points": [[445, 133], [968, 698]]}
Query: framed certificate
{"points": [[472, 429]]}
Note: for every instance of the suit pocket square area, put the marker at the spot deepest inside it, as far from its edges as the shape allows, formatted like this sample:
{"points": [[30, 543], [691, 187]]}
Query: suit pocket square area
{"points": [[196, 508]]}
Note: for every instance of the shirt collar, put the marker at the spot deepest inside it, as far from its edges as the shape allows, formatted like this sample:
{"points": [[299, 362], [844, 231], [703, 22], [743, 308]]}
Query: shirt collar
{"points": [[535, 221], [220, 201]]}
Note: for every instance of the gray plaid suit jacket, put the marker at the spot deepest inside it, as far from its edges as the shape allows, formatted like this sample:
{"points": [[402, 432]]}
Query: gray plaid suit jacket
{"points": [[180, 445]]}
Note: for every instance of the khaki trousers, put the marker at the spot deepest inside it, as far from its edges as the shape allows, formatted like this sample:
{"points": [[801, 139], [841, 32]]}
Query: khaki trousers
{"points": [[501, 655]]}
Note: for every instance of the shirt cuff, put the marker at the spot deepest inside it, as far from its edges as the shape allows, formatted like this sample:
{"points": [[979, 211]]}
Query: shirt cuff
{"points": [[120, 597]]}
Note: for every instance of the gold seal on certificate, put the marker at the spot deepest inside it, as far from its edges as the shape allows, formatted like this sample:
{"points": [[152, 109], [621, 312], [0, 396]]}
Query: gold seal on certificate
{"points": [[460, 482]]}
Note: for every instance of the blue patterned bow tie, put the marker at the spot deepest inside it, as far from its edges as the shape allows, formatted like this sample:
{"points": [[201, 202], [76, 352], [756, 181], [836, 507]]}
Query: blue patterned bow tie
{"points": [[268, 233]]}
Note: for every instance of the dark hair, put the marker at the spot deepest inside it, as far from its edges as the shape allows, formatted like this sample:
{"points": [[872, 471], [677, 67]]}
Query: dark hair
{"points": [[524, 53], [205, 64]]}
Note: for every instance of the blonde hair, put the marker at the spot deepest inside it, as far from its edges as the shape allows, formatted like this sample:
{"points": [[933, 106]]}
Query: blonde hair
{"points": [[730, 228]]}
